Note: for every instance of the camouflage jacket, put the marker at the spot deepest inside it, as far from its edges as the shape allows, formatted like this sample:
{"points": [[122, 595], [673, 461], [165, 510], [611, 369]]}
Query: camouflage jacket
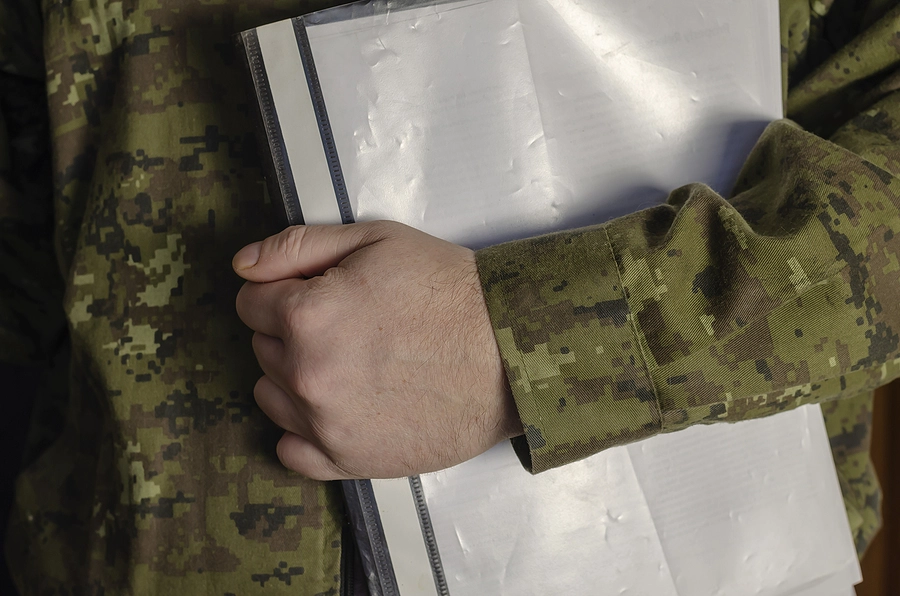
{"points": [[150, 470]]}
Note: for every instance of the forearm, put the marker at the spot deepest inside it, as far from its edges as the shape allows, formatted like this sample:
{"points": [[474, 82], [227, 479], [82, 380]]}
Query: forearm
{"points": [[709, 308], [704, 309]]}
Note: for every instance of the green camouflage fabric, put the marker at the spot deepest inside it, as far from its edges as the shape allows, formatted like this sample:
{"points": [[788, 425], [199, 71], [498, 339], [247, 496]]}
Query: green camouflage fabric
{"points": [[711, 309], [149, 468], [157, 474]]}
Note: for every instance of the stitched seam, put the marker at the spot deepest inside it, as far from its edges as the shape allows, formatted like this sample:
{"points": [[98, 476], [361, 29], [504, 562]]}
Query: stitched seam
{"points": [[504, 298], [634, 331]]}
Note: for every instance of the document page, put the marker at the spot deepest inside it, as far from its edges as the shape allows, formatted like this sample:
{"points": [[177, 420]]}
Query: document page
{"points": [[435, 118], [638, 98], [485, 121], [582, 529], [746, 509], [751, 508]]}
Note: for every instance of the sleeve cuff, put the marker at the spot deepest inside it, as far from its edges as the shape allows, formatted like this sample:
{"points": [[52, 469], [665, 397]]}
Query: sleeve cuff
{"points": [[567, 339]]}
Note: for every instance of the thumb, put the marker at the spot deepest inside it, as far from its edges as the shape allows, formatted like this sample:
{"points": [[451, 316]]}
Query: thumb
{"points": [[304, 251]]}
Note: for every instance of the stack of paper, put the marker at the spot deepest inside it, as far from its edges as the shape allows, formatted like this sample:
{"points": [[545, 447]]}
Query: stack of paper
{"points": [[485, 120], [750, 509]]}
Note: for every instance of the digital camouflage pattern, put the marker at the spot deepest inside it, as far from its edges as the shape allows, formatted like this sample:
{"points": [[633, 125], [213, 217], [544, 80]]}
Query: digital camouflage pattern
{"points": [[150, 469], [162, 476], [710, 309]]}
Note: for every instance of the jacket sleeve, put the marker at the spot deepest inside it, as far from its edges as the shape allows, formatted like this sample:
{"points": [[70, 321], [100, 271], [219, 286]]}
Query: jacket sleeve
{"points": [[710, 309], [31, 321]]}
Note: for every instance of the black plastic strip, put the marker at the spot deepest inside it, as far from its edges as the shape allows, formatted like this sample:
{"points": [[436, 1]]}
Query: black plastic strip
{"points": [[369, 8], [318, 101], [281, 185], [350, 563], [359, 500], [434, 556]]}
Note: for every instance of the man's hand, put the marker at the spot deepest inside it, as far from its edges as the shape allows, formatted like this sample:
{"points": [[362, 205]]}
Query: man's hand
{"points": [[378, 354]]}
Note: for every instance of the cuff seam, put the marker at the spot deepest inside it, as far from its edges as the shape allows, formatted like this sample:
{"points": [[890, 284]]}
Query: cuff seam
{"points": [[634, 330]]}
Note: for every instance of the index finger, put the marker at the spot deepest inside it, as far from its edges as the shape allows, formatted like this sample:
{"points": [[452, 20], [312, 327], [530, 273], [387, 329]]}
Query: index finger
{"points": [[266, 307]]}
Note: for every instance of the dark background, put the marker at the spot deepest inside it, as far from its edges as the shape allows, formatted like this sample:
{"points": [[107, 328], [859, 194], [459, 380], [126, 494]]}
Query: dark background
{"points": [[17, 386]]}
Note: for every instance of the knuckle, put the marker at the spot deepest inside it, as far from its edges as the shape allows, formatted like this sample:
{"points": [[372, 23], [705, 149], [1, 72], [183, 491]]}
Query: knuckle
{"points": [[291, 240], [331, 426], [256, 344], [298, 316], [262, 346], [313, 311], [289, 459], [285, 244], [294, 374], [324, 430], [306, 462], [259, 389], [380, 229], [324, 468], [340, 469], [329, 281], [242, 301], [316, 395]]}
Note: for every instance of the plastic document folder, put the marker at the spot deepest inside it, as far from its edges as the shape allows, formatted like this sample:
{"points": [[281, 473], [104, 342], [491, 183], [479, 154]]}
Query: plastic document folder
{"points": [[489, 120]]}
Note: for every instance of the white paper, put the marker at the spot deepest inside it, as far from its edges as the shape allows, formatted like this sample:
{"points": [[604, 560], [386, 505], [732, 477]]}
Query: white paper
{"points": [[506, 118], [298, 123], [486, 120], [501, 530], [752, 508], [403, 534], [749, 509]]}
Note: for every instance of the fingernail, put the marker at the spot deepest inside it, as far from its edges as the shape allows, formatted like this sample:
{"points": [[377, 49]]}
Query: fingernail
{"points": [[247, 257]]}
